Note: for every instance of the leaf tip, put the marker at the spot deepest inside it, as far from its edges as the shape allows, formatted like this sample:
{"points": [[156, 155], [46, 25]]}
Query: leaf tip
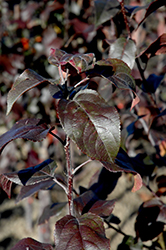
{"points": [[137, 183]]}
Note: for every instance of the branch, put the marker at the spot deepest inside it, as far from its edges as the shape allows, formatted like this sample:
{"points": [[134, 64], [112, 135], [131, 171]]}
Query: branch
{"points": [[57, 137], [81, 165], [70, 177]]}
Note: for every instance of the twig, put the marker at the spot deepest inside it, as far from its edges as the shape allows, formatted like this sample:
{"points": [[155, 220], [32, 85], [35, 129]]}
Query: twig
{"points": [[125, 17], [80, 166], [116, 229], [148, 187], [79, 83], [57, 137], [70, 177]]}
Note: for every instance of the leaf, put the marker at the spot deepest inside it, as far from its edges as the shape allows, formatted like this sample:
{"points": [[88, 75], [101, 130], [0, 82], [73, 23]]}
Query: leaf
{"points": [[158, 47], [103, 208], [6, 185], [64, 92], [79, 61], [26, 81], [86, 232], [105, 10], [151, 8], [31, 244], [89, 202], [107, 181], [120, 75], [125, 164], [124, 50], [29, 190], [151, 219], [49, 211], [152, 83], [30, 129], [92, 124], [33, 175], [25, 174]]}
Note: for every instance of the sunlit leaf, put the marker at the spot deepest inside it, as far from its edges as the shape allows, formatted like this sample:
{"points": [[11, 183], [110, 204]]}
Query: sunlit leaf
{"points": [[30, 129], [92, 124], [105, 10], [31, 244], [26, 81], [125, 50], [86, 232]]}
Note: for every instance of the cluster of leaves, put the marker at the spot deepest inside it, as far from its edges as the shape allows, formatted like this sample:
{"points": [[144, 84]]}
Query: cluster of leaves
{"points": [[88, 119]]}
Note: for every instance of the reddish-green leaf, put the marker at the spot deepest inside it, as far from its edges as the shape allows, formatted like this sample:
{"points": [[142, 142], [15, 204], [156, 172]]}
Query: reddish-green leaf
{"points": [[79, 61], [26, 81], [31, 244], [125, 50], [6, 185], [105, 10], [30, 129], [153, 7], [86, 232], [51, 210], [92, 124], [156, 48]]}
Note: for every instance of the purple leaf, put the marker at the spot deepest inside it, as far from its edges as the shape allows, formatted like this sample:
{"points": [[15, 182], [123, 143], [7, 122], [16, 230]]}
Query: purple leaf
{"points": [[120, 75], [151, 219], [35, 180], [29, 190], [103, 208], [51, 210], [89, 202], [79, 61], [84, 202], [124, 50], [6, 184], [31, 244], [26, 174], [26, 81], [30, 129], [86, 232], [158, 47], [92, 124], [152, 7]]}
